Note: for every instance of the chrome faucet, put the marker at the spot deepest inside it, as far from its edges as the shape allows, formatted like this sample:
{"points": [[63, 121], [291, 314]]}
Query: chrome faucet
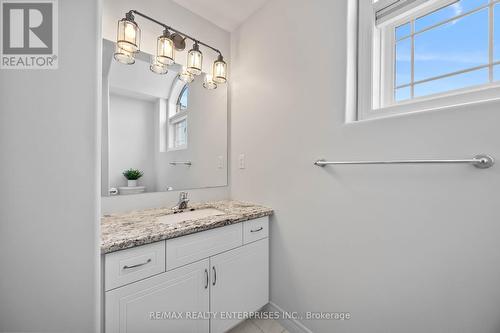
{"points": [[183, 201]]}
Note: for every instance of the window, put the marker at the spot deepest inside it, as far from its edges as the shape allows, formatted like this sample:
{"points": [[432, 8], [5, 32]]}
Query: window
{"points": [[426, 54], [182, 101], [180, 133], [178, 116]]}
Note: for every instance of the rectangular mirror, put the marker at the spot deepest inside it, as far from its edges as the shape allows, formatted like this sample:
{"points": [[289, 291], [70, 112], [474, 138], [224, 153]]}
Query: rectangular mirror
{"points": [[174, 133]]}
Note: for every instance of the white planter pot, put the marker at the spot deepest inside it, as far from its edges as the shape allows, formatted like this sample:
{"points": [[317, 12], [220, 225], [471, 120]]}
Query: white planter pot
{"points": [[132, 183]]}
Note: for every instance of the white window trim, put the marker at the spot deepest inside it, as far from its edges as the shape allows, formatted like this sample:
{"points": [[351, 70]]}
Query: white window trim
{"points": [[172, 121], [372, 41], [175, 116]]}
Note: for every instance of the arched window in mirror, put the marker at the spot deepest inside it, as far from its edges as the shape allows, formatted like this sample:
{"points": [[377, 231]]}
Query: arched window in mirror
{"points": [[177, 116], [182, 101]]}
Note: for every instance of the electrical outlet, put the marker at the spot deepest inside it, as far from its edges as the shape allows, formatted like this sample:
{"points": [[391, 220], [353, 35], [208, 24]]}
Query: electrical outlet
{"points": [[241, 161], [220, 162]]}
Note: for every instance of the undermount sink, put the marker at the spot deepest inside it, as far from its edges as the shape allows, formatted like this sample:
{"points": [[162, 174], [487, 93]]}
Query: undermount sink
{"points": [[190, 215]]}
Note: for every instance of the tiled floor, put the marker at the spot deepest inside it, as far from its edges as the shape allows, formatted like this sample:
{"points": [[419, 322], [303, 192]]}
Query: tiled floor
{"points": [[259, 326]]}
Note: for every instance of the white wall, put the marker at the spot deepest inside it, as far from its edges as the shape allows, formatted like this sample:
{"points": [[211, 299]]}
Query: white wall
{"points": [[403, 248], [184, 20], [49, 248], [132, 140], [137, 79]]}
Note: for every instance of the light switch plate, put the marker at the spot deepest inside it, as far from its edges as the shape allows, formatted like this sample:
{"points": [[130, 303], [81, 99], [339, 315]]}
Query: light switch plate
{"points": [[241, 161]]}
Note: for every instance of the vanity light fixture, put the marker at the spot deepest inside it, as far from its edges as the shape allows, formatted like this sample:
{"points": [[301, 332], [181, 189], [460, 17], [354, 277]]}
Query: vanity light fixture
{"points": [[220, 70], [165, 48], [129, 34], [157, 67], [185, 76], [209, 82], [195, 60], [123, 56], [129, 39]]}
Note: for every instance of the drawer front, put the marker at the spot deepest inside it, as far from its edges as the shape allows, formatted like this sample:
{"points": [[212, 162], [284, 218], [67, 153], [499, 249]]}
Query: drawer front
{"points": [[191, 248], [133, 308], [255, 229], [133, 264]]}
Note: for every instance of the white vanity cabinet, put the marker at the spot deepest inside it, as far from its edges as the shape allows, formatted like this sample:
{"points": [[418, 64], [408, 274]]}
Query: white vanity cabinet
{"points": [[233, 279], [143, 306], [240, 283]]}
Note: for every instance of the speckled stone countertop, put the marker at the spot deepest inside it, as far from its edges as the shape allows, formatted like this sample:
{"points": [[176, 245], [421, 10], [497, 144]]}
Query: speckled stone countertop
{"points": [[123, 231]]}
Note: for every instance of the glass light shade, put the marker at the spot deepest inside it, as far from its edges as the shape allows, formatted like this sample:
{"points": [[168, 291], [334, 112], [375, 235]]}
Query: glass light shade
{"points": [[157, 67], [194, 60], [123, 56], [209, 82], [220, 70], [129, 35], [185, 76], [165, 49]]}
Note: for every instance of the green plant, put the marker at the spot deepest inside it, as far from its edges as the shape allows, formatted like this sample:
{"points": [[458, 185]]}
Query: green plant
{"points": [[132, 174]]}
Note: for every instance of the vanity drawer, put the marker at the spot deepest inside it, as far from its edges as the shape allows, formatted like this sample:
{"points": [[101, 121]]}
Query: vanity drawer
{"points": [[255, 229], [191, 248], [133, 264]]}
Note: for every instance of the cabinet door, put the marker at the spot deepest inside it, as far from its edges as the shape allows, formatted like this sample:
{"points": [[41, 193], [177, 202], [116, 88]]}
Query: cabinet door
{"points": [[144, 306], [239, 283]]}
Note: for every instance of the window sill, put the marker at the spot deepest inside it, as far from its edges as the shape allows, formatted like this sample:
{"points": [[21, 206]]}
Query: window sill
{"points": [[179, 116], [455, 99], [177, 148]]}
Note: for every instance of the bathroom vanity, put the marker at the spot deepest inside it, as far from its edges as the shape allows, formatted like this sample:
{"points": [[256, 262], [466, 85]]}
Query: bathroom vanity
{"points": [[194, 271]]}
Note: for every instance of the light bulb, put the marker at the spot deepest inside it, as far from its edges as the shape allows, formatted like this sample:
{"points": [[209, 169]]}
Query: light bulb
{"points": [[157, 67], [209, 82], [129, 34], [194, 60], [220, 70], [185, 76], [165, 49], [123, 56]]}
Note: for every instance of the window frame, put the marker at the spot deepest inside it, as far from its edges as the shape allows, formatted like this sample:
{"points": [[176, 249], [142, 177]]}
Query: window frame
{"points": [[175, 116], [375, 95], [172, 137], [178, 107]]}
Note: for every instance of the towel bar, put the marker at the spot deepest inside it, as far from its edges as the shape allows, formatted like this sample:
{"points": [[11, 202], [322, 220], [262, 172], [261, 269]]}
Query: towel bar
{"points": [[188, 163], [481, 161]]}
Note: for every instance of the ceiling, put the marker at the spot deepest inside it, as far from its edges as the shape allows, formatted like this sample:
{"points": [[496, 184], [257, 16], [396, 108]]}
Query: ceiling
{"points": [[227, 14]]}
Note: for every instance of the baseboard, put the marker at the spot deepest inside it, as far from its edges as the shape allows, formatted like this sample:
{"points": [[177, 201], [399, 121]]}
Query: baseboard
{"points": [[292, 325]]}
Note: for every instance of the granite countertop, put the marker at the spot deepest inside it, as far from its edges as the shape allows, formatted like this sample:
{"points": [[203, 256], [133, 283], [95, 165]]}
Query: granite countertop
{"points": [[123, 231]]}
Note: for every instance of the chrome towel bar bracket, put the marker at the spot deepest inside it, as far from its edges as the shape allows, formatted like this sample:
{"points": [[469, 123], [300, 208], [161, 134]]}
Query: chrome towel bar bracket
{"points": [[481, 161]]}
